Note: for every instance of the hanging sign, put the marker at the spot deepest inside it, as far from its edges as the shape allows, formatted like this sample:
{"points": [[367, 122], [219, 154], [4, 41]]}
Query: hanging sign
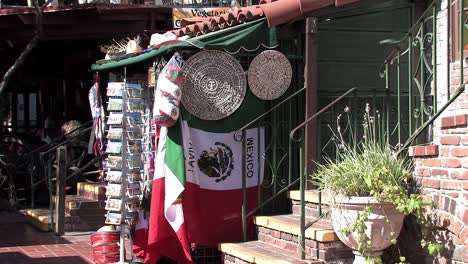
{"points": [[180, 13]]}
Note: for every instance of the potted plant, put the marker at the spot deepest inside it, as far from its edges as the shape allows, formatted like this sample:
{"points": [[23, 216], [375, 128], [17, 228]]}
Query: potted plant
{"points": [[368, 184]]}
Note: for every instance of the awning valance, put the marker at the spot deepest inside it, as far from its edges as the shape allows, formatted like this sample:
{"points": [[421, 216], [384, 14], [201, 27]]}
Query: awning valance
{"points": [[248, 36]]}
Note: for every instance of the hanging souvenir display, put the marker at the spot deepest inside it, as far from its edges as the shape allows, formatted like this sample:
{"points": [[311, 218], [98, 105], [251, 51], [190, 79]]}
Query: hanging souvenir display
{"points": [[115, 89], [115, 118], [93, 96], [151, 77], [145, 174], [168, 92], [97, 112], [115, 104], [114, 147], [124, 149], [114, 162], [269, 75], [134, 90], [114, 176], [214, 85], [114, 133], [134, 134]]}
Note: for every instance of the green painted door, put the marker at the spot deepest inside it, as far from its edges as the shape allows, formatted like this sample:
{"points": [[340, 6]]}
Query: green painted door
{"points": [[350, 54]]}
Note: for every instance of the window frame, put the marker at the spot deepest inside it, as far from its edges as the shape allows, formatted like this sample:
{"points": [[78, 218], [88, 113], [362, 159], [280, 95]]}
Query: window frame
{"points": [[454, 31]]}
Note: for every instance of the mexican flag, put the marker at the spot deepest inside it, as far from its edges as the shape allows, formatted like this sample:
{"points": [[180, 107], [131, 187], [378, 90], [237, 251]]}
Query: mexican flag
{"points": [[213, 194], [167, 229], [140, 236]]}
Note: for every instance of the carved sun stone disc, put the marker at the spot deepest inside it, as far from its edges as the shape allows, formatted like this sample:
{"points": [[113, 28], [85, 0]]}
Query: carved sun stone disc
{"points": [[270, 75], [214, 85]]}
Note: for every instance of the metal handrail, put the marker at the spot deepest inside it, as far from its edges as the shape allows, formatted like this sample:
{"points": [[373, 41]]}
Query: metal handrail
{"points": [[74, 173], [236, 134], [242, 138], [419, 47], [43, 155], [418, 132], [61, 138], [88, 128], [84, 167], [294, 130], [301, 178], [66, 141], [272, 198], [395, 51]]}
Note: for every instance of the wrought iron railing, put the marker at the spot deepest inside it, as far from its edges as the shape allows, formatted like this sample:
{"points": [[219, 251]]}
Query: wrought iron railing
{"points": [[356, 97], [407, 105], [277, 179], [303, 174], [42, 164], [286, 179], [411, 70]]}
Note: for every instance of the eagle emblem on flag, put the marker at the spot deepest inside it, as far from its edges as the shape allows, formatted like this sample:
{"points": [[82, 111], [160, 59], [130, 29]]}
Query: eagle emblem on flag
{"points": [[217, 162]]}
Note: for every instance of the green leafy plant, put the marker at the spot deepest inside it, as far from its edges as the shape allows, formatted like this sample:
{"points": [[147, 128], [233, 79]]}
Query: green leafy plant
{"points": [[371, 168]]}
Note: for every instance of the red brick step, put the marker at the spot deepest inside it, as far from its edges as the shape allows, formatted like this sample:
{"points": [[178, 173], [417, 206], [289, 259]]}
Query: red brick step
{"points": [[95, 191], [261, 253], [311, 203]]}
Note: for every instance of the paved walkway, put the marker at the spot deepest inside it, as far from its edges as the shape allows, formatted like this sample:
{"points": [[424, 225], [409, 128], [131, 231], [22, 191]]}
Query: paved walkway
{"points": [[23, 244]]}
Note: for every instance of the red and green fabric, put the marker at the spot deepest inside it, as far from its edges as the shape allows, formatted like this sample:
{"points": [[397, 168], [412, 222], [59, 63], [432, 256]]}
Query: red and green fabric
{"points": [[167, 230], [213, 194], [213, 191]]}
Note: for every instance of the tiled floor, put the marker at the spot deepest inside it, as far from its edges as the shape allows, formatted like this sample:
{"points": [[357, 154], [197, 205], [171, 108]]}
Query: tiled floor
{"points": [[23, 244]]}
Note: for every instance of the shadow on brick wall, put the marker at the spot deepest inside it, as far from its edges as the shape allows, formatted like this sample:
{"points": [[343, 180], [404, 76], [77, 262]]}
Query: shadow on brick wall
{"points": [[409, 246]]}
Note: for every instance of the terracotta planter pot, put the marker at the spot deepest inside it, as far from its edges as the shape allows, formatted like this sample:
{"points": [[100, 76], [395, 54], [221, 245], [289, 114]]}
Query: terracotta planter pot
{"points": [[345, 212]]}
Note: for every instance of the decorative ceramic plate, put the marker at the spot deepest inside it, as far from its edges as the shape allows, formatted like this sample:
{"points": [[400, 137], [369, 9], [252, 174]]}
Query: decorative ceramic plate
{"points": [[214, 85], [270, 75]]}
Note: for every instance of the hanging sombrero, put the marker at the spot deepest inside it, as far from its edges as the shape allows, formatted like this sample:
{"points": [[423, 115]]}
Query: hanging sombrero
{"points": [[269, 75], [214, 85]]}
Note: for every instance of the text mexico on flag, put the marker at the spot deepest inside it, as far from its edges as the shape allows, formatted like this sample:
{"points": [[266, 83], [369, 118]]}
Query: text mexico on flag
{"points": [[213, 191]]}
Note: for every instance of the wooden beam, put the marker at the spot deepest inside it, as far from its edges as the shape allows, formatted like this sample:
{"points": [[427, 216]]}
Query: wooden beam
{"points": [[310, 77]]}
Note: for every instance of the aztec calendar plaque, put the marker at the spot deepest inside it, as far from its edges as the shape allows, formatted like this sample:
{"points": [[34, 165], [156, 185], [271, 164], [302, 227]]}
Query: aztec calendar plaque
{"points": [[269, 75], [214, 85]]}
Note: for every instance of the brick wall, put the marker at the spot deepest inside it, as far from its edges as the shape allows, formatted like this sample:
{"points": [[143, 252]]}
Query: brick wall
{"points": [[441, 168], [442, 172]]}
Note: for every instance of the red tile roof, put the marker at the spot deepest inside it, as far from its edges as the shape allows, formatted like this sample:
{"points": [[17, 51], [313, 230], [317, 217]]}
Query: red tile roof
{"points": [[196, 27], [276, 11]]}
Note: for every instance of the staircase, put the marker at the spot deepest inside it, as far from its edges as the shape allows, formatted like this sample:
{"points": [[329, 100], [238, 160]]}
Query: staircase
{"points": [[278, 238], [83, 212]]}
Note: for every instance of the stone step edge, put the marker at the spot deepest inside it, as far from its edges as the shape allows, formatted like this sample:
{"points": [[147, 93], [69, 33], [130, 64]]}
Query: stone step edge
{"points": [[41, 215], [35, 222], [250, 254], [96, 188], [71, 201], [314, 233], [42, 223], [311, 196]]}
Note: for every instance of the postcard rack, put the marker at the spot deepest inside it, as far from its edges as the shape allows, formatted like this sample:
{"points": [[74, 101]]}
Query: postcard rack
{"points": [[123, 165]]}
